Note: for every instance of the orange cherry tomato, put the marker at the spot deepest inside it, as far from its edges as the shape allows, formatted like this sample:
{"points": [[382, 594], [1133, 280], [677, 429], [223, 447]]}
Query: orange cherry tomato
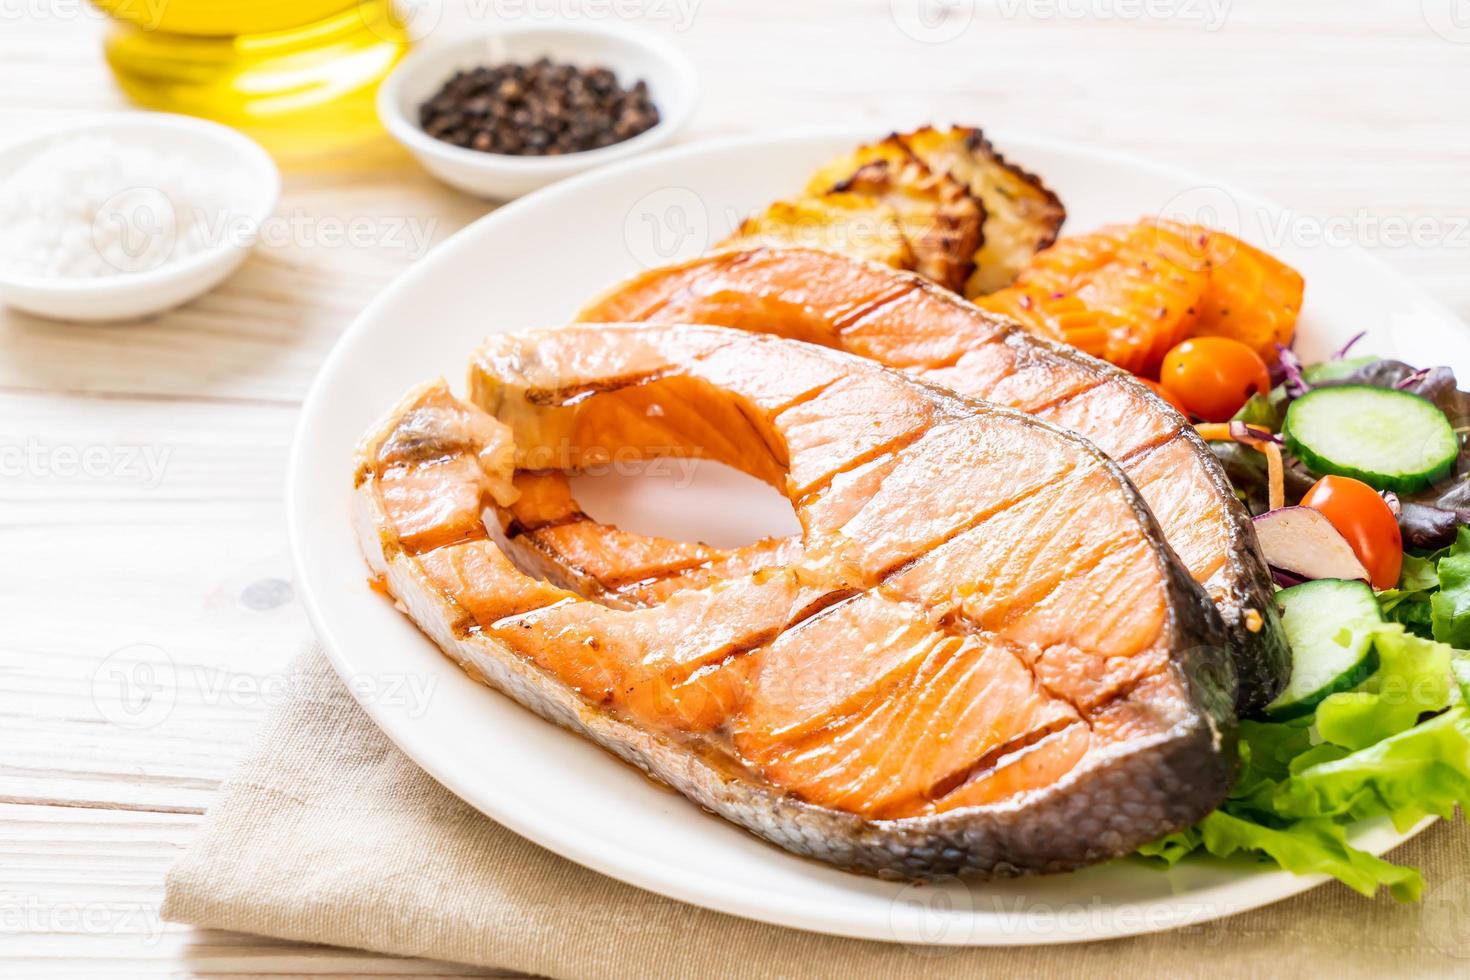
{"points": [[1364, 518], [1166, 395], [1213, 376]]}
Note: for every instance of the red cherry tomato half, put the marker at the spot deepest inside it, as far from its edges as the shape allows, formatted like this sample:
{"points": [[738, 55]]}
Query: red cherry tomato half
{"points": [[1213, 376], [1165, 395], [1364, 518]]}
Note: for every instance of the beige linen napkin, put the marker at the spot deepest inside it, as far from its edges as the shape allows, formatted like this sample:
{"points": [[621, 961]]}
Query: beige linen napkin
{"points": [[328, 834]]}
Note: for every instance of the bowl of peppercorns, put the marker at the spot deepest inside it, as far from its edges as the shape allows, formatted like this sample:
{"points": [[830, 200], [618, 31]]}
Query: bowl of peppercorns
{"points": [[501, 114]]}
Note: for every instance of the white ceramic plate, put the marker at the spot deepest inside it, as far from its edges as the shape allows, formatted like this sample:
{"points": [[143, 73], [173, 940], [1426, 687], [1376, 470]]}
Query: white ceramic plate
{"points": [[533, 263]]}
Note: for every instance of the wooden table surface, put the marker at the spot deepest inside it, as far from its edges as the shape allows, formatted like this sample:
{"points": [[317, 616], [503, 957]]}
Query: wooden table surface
{"points": [[1354, 115]]}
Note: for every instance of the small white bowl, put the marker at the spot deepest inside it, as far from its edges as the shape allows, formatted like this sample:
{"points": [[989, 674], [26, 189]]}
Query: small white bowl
{"points": [[631, 54], [129, 295]]}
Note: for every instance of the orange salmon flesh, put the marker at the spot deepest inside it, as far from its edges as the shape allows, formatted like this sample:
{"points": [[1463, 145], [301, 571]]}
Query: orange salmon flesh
{"points": [[904, 322], [980, 607]]}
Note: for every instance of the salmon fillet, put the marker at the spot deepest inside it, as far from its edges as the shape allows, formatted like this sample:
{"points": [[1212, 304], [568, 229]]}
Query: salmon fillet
{"points": [[905, 322], [984, 661]]}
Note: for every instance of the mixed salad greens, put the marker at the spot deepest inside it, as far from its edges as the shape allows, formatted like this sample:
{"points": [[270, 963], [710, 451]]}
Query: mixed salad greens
{"points": [[1355, 470]]}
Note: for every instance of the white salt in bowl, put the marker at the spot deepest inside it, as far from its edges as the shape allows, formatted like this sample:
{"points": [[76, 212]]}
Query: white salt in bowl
{"points": [[150, 285]]}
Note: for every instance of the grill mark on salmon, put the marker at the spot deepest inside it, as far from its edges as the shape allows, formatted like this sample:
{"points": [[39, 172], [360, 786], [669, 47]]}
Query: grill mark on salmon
{"points": [[820, 605], [991, 760], [799, 700], [889, 448], [517, 528], [870, 308], [776, 450], [1044, 407], [938, 337], [1019, 772], [1138, 452], [750, 644]]}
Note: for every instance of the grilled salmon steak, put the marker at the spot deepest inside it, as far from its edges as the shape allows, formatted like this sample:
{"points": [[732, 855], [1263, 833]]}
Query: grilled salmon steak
{"points": [[905, 322], [983, 659]]}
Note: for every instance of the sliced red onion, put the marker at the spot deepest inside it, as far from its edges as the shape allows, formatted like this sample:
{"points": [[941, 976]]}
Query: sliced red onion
{"points": [[1392, 499], [1286, 579], [1302, 542], [1291, 367], [1343, 350], [1414, 378], [1241, 431]]}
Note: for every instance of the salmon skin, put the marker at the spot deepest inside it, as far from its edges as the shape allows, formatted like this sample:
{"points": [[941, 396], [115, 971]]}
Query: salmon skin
{"points": [[905, 322], [982, 660]]}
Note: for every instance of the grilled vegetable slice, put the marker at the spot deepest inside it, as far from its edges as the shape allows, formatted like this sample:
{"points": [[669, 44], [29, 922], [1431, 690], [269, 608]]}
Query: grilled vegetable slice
{"points": [[1253, 297], [1316, 615], [1391, 440], [1021, 215], [850, 224], [940, 218], [1145, 284]]}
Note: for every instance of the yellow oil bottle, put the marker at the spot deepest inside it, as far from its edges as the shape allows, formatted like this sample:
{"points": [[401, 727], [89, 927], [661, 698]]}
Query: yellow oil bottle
{"points": [[299, 75]]}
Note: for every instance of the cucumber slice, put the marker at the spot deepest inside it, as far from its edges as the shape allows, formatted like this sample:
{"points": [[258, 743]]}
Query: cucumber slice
{"points": [[1315, 374], [1391, 440], [1314, 615]]}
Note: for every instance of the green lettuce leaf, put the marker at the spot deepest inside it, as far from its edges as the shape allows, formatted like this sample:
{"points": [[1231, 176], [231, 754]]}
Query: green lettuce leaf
{"points": [[1267, 748], [1411, 603], [1397, 746], [1412, 679], [1172, 847], [1362, 754], [1423, 770], [1266, 411], [1460, 667], [1310, 847], [1418, 575], [1336, 370], [1450, 606]]}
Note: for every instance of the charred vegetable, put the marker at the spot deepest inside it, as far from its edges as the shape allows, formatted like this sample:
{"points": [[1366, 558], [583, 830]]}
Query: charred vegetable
{"points": [[852, 224], [940, 218], [1021, 215]]}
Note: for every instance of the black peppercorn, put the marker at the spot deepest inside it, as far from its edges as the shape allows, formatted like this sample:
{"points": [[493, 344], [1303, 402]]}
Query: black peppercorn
{"points": [[540, 109]]}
